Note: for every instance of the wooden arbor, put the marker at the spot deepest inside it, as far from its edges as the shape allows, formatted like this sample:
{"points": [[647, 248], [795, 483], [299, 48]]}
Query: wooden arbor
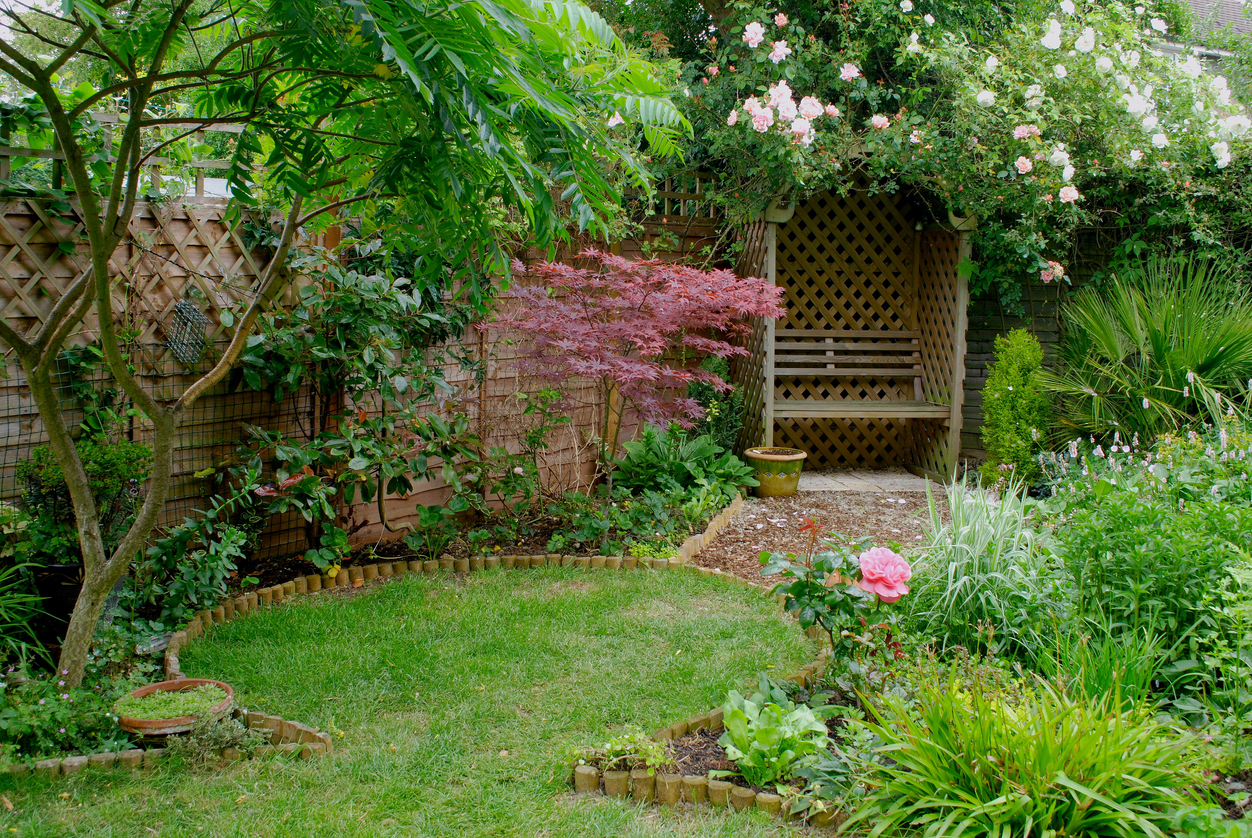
{"points": [[867, 369]]}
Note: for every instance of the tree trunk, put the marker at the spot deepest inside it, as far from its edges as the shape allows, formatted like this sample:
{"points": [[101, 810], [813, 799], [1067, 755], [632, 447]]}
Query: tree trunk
{"points": [[86, 616]]}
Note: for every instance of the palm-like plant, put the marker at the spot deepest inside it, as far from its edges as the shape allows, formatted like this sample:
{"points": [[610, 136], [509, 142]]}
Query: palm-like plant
{"points": [[1157, 349]]}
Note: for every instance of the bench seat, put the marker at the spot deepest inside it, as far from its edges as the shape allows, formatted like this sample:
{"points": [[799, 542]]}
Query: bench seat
{"points": [[829, 409]]}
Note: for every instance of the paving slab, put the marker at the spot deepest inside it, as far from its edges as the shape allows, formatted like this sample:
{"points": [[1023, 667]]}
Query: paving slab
{"points": [[862, 480]]}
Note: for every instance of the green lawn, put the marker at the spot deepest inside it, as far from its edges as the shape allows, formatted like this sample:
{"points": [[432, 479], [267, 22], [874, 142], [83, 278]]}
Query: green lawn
{"points": [[456, 707]]}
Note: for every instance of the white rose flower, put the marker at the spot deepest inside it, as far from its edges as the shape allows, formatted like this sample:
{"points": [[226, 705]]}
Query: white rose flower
{"points": [[1059, 157], [1192, 67], [1150, 122], [1131, 59], [1067, 6], [1237, 125], [1067, 174], [1140, 9], [986, 98], [991, 63], [1136, 105], [1104, 64], [1086, 41], [930, 20], [1059, 71], [1135, 156], [1160, 140], [1221, 151], [913, 46], [1034, 96], [1159, 25], [906, 6], [1052, 39]]}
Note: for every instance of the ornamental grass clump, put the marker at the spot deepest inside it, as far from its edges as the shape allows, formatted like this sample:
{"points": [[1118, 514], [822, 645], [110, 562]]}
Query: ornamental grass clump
{"points": [[171, 705], [962, 764]]}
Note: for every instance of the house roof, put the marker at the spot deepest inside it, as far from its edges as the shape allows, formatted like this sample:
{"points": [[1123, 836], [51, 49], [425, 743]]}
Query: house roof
{"points": [[1218, 14]]}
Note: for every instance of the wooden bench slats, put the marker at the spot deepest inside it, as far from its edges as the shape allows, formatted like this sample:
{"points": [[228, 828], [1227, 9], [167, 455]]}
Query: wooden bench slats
{"points": [[895, 372], [863, 345], [910, 360], [868, 334], [831, 409]]}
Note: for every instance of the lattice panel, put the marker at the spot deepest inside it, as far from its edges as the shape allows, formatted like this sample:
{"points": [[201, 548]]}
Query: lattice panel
{"points": [[749, 372], [847, 443], [843, 388], [848, 263], [931, 447], [168, 248], [937, 314]]}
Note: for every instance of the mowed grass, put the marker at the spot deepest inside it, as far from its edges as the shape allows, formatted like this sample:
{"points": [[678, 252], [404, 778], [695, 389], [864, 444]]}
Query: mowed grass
{"points": [[454, 705]]}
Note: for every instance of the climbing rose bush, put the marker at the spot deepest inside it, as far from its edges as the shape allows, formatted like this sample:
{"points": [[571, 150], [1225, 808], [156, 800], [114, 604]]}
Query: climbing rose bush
{"points": [[1048, 125]]}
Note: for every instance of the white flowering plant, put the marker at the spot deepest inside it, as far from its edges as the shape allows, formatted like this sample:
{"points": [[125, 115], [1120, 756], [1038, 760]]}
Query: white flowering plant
{"points": [[1037, 125]]}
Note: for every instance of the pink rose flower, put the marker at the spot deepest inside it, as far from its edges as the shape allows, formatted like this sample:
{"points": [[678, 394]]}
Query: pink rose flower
{"points": [[733, 118], [1046, 276], [1021, 132], [753, 34], [1023, 165], [779, 52], [1068, 194], [810, 108], [713, 69], [615, 119], [762, 120], [879, 121], [831, 110], [1047, 199], [752, 105], [885, 573], [849, 72], [780, 19], [1057, 269], [787, 109], [779, 93], [915, 137]]}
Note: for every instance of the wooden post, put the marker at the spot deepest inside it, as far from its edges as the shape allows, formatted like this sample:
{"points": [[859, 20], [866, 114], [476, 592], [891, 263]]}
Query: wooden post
{"points": [[771, 267], [199, 135], [958, 356], [58, 168]]}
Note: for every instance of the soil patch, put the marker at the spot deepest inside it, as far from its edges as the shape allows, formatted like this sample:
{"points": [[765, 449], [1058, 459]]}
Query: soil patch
{"points": [[698, 753], [774, 524]]}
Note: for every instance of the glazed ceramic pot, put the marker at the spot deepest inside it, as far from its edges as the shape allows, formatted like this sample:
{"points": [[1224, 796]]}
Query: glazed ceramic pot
{"points": [[181, 724], [777, 470]]}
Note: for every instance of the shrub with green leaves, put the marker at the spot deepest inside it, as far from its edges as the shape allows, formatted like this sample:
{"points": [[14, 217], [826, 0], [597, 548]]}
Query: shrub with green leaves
{"points": [[964, 764], [723, 412], [40, 716], [768, 736], [1015, 409], [672, 460]]}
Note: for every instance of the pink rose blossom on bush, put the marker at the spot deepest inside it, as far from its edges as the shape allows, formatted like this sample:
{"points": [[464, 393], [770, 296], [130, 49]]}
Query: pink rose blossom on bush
{"points": [[752, 105], [616, 119], [713, 69], [831, 110], [779, 52], [915, 137], [733, 118], [753, 34], [762, 120], [810, 108], [1023, 165], [1047, 199], [1021, 132], [1068, 194], [849, 72], [779, 93], [787, 109], [780, 19], [885, 573], [879, 121]]}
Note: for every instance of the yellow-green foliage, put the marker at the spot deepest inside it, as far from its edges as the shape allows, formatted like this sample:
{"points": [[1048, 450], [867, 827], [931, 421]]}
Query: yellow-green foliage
{"points": [[1016, 413]]}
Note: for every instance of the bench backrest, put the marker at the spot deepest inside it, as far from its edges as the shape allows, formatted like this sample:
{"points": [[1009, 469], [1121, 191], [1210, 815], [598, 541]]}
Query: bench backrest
{"points": [[839, 353]]}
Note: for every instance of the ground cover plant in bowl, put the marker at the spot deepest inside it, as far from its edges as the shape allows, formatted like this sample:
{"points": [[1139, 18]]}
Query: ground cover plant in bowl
{"points": [[172, 706]]}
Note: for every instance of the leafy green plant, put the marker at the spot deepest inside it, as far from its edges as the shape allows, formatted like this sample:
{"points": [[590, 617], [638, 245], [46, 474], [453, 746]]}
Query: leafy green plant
{"points": [[630, 750], [1207, 822], [1099, 663], [983, 567], [42, 716], [723, 412], [1157, 349], [965, 764], [210, 735], [116, 472], [672, 460], [834, 589], [333, 550], [769, 737], [435, 528], [651, 550], [1016, 412], [19, 604], [1136, 560]]}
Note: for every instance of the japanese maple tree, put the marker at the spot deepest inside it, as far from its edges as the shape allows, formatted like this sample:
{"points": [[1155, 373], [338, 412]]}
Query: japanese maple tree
{"points": [[629, 326]]}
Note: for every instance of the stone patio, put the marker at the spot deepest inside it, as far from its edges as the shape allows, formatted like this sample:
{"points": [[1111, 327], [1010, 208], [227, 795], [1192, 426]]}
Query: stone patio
{"points": [[864, 480]]}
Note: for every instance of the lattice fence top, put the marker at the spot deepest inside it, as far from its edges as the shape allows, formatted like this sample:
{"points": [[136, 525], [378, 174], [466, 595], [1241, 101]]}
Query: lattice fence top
{"points": [[172, 252], [848, 263]]}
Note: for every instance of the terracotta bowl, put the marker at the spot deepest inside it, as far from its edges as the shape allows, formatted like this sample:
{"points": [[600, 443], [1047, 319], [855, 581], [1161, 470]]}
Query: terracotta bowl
{"points": [[181, 724]]}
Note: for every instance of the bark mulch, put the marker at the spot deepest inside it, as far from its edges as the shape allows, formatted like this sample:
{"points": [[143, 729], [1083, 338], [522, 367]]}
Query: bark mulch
{"points": [[774, 524]]}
